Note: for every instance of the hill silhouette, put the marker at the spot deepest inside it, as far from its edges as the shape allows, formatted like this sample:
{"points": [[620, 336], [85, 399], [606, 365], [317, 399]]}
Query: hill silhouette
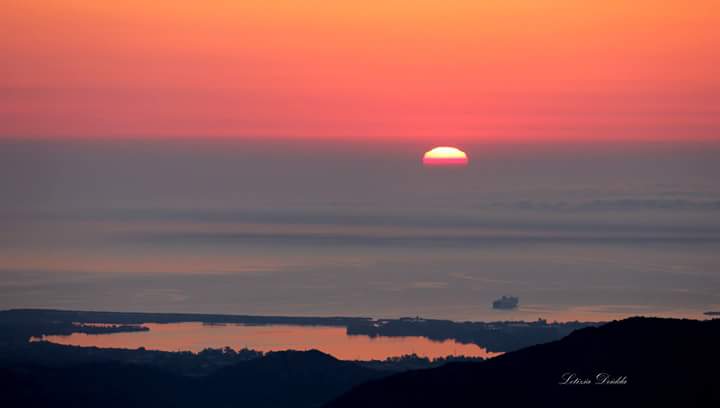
{"points": [[649, 361], [289, 378], [280, 379]]}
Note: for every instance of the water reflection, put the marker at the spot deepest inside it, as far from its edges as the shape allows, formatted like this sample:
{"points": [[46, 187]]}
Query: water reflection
{"points": [[195, 336]]}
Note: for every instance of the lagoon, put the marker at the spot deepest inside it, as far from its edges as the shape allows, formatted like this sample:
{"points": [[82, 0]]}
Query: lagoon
{"points": [[196, 336]]}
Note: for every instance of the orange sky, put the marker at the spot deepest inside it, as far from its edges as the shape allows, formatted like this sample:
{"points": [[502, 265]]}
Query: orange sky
{"points": [[445, 71]]}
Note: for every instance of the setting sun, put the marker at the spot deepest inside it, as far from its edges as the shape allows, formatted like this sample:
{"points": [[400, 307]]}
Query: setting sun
{"points": [[445, 156]]}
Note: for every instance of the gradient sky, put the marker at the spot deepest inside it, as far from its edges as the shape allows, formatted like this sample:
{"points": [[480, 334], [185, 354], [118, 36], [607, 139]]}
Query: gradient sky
{"points": [[442, 71]]}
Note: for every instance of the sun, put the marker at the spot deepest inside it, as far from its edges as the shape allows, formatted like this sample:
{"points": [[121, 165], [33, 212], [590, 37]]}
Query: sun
{"points": [[445, 156]]}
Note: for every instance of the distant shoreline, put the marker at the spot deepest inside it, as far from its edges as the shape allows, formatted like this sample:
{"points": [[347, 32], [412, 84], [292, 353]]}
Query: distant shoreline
{"points": [[119, 317], [497, 336]]}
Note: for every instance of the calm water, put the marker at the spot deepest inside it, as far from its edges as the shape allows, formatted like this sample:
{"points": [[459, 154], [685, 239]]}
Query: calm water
{"points": [[332, 340], [576, 232]]}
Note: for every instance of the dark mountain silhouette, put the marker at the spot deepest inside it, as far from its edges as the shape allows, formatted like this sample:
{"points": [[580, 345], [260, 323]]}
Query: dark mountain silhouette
{"points": [[660, 362], [281, 379], [90, 385], [656, 362], [284, 379]]}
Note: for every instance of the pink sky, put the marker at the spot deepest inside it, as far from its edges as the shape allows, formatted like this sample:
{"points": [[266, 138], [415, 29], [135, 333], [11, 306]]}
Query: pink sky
{"points": [[444, 72]]}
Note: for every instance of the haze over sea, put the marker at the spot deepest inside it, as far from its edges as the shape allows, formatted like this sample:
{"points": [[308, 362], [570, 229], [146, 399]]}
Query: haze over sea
{"points": [[588, 231]]}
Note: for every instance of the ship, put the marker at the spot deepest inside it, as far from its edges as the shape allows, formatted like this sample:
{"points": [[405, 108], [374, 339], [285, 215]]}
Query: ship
{"points": [[506, 303]]}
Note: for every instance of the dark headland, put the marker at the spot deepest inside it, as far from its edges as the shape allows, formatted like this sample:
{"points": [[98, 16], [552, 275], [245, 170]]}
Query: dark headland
{"points": [[637, 362]]}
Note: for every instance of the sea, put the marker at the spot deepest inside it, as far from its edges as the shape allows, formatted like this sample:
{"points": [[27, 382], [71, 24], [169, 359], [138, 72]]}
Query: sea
{"points": [[577, 231]]}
